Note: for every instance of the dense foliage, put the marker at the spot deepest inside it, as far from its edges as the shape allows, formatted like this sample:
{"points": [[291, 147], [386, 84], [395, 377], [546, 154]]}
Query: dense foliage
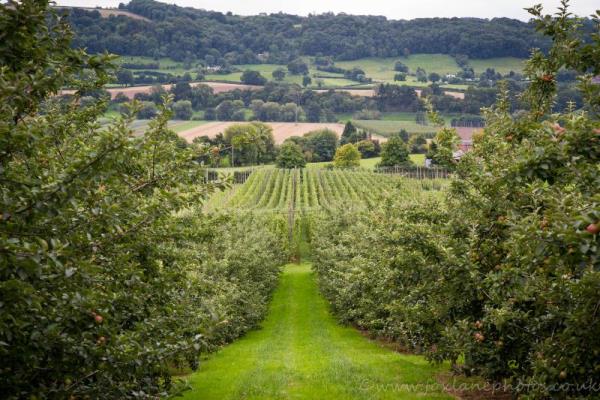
{"points": [[394, 153], [290, 156], [187, 33], [347, 156], [109, 275], [502, 278]]}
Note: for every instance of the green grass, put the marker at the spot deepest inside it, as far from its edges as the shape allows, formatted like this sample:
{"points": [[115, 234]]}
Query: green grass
{"points": [[302, 353], [387, 127], [503, 64], [382, 69]]}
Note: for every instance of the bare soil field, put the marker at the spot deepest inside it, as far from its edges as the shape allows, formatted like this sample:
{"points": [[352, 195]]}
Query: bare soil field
{"points": [[281, 130]]}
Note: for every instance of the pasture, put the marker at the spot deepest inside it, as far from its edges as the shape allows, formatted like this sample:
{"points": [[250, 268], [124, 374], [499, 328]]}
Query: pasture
{"points": [[388, 127], [379, 69]]}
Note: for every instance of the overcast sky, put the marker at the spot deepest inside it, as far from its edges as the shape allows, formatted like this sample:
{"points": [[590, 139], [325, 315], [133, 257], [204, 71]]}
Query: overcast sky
{"points": [[393, 9]]}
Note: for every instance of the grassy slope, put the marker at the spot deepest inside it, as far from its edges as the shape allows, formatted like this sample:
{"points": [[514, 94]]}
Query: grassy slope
{"points": [[503, 65], [302, 353]]}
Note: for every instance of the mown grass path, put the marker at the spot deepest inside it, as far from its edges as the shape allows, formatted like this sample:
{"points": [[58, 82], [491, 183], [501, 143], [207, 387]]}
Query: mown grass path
{"points": [[301, 352]]}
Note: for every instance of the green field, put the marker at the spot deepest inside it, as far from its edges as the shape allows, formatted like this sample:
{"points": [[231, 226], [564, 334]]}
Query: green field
{"points": [[302, 353], [266, 70], [316, 188], [388, 127], [503, 65], [382, 69], [379, 69]]}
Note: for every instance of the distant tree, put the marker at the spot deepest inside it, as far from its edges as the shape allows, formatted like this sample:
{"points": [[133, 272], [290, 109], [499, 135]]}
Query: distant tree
{"points": [[421, 75], [289, 112], [368, 148], [290, 156], [241, 138], [404, 135], [347, 156], [278, 74], [417, 144], [394, 152], [239, 115], [271, 111], [351, 134], [306, 80], [434, 77], [433, 89], [183, 109], [321, 144], [253, 78], [313, 111], [87, 101], [148, 110], [225, 110], [201, 96], [348, 134], [125, 77], [400, 67], [297, 67], [421, 119], [401, 77], [396, 97], [187, 77], [120, 98], [210, 114], [251, 143], [157, 92], [356, 74], [182, 91]]}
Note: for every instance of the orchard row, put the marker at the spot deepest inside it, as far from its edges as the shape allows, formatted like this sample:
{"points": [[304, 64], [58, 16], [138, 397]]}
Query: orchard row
{"points": [[314, 189]]}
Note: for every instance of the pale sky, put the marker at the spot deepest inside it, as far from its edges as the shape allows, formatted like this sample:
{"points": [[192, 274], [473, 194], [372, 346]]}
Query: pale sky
{"points": [[392, 9]]}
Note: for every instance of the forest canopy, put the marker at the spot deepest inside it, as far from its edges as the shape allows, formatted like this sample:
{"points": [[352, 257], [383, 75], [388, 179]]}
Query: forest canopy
{"points": [[187, 33]]}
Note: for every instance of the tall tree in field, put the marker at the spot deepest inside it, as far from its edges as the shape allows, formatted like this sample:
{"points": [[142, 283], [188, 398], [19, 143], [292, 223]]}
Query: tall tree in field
{"points": [[125, 77], [348, 134], [278, 74], [290, 156], [250, 77], [347, 156], [394, 153], [306, 80], [322, 144]]}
